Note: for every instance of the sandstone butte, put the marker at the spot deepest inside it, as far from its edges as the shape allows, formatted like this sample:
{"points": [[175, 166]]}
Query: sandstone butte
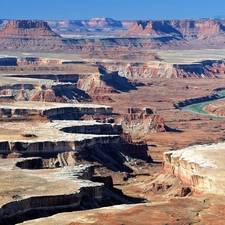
{"points": [[27, 29]]}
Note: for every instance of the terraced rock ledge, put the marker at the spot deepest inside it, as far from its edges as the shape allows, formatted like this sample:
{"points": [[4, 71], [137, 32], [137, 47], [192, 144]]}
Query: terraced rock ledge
{"points": [[36, 189], [47, 160], [199, 166]]}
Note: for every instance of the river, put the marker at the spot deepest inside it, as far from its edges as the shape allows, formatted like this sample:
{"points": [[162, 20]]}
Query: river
{"points": [[197, 108]]}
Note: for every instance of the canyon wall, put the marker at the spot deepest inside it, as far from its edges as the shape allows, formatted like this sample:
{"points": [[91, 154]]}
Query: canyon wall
{"points": [[56, 202], [154, 69], [194, 166]]}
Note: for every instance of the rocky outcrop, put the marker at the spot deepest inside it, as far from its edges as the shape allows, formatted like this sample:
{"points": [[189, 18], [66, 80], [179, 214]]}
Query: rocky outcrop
{"points": [[62, 135], [157, 69], [191, 167], [44, 91], [94, 79], [137, 150], [9, 210], [52, 109], [106, 82], [142, 120]]}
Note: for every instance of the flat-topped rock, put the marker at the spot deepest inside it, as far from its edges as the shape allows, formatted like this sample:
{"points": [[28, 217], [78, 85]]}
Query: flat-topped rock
{"points": [[23, 108], [57, 136], [25, 194], [27, 29], [200, 166]]}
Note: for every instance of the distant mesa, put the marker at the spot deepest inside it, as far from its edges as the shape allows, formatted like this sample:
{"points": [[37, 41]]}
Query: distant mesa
{"points": [[150, 28], [103, 22], [27, 29], [183, 28], [93, 22]]}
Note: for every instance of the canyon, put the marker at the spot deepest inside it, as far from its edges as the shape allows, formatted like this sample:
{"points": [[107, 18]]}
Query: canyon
{"points": [[96, 127]]}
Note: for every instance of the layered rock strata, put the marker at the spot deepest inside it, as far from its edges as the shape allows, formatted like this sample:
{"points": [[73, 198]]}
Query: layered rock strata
{"points": [[27, 29], [31, 136], [188, 29], [24, 33], [141, 120], [28, 89], [52, 109], [37, 35], [199, 166], [72, 185], [160, 69]]}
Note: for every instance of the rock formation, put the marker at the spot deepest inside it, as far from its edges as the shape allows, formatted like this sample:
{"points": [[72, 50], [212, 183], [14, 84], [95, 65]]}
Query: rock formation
{"points": [[36, 35], [141, 120], [106, 82], [151, 28], [157, 69], [197, 166], [187, 29], [28, 29], [43, 198], [27, 89], [27, 33]]}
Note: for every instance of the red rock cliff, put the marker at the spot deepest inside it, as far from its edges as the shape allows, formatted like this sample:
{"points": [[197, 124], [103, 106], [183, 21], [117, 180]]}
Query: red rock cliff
{"points": [[185, 28], [28, 29]]}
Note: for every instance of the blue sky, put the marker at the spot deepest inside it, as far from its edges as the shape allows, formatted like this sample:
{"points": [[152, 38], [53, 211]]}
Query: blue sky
{"points": [[116, 9]]}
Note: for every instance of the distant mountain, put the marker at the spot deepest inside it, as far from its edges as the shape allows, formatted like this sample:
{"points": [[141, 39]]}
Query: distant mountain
{"points": [[93, 26], [89, 27], [109, 38], [183, 28]]}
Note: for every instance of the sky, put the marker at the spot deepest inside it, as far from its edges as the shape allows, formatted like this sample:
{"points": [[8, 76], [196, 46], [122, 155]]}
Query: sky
{"points": [[116, 9]]}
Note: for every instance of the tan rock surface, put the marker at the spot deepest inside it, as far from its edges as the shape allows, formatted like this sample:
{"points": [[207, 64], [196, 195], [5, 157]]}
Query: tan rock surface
{"points": [[199, 166]]}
